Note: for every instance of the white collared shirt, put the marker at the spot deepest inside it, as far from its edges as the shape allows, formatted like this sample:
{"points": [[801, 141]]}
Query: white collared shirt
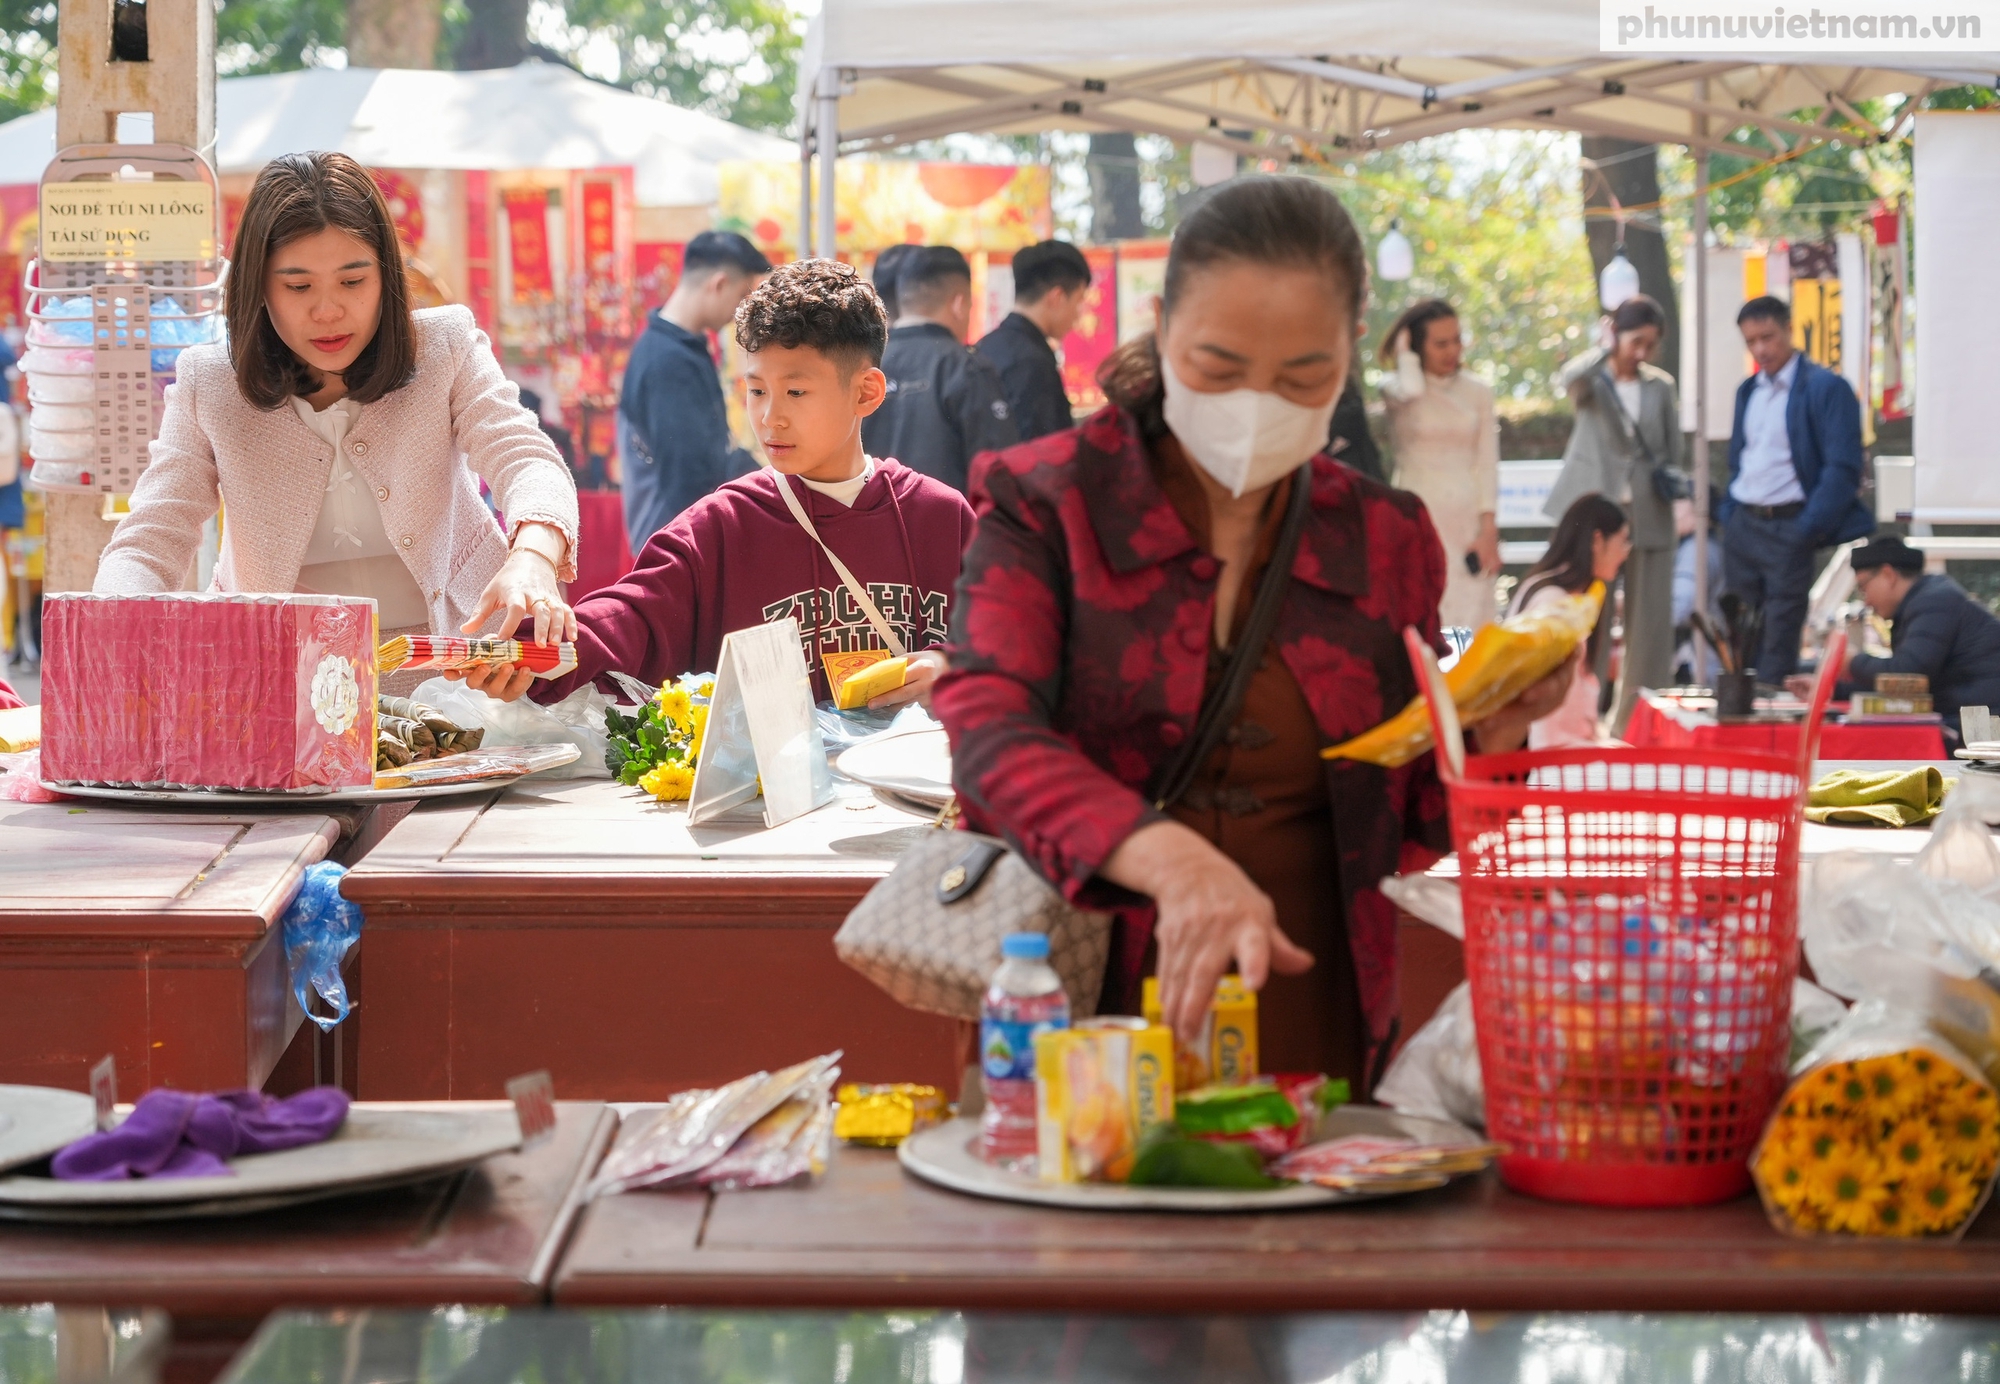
{"points": [[844, 492], [1766, 475], [350, 553]]}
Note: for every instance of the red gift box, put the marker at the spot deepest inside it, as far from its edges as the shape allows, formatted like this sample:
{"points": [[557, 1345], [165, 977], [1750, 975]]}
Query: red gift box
{"points": [[204, 690]]}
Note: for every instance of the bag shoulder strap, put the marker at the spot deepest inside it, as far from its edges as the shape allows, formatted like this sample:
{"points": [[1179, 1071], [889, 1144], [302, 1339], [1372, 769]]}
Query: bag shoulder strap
{"points": [[1219, 707], [854, 588]]}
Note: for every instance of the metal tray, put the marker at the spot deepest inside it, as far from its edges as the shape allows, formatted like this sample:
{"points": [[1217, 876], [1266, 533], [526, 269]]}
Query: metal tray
{"points": [[943, 1155], [226, 797], [379, 1146], [35, 1121]]}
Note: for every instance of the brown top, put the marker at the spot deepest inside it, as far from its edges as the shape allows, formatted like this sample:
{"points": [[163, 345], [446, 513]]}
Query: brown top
{"points": [[1262, 799]]}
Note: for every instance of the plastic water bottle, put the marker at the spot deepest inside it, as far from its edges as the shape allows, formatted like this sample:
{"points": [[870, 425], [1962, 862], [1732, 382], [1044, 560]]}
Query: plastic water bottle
{"points": [[1025, 998]]}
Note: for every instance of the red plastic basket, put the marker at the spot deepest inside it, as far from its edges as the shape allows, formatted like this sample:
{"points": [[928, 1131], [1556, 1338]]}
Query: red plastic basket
{"points": [[1631, 937]]}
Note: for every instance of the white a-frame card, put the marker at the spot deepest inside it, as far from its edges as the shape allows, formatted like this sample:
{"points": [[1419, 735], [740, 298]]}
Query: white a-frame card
{"points": [[761, 725]]}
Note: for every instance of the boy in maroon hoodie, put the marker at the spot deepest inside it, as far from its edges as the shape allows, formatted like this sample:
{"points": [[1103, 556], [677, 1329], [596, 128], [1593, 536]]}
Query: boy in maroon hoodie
{"points": [[812, 335]]}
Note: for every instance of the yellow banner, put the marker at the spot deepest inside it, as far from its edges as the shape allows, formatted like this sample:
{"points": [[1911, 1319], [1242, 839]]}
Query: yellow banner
{"points": [[892, 201], [87, 222]]}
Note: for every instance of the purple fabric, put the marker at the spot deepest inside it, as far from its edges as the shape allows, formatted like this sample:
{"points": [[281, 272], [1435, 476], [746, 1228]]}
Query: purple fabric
{"points": [[183, 1134]]}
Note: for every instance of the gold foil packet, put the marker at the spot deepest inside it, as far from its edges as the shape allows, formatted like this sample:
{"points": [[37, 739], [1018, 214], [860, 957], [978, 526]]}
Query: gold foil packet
{"points": [[883, 1116]]}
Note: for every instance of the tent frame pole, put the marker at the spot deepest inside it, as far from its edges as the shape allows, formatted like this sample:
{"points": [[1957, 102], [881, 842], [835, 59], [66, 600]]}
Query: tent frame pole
{"points": [[828, 131], [1698, 276], [807, 109]]}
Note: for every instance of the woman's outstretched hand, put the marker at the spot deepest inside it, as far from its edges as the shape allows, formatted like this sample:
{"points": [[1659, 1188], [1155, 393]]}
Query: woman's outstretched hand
{"points": [[524, 587], [1210, 915]]}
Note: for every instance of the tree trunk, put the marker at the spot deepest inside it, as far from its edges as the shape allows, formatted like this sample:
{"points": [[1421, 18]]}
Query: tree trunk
{"points": [[393, 33], [1113, 164], [1634, 180], [496, 34]]}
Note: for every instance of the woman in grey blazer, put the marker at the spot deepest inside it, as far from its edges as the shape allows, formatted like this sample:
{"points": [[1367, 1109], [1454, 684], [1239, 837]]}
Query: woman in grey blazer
{"points": [[1627, 424]]}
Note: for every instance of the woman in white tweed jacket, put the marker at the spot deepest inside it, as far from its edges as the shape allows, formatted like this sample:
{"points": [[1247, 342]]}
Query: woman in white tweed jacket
{"points": [[341, 433]]}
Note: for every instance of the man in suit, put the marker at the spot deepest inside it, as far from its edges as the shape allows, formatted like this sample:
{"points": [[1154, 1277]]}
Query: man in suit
{"points": [[1794, 480]]}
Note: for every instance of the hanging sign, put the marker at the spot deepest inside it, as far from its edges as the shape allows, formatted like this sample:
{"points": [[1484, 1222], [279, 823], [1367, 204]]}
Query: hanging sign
{"points": [[149, 222]]}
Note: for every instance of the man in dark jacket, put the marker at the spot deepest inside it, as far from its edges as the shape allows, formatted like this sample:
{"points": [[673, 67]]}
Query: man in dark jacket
{"points": [[1936, 629], [1051, 281], [944, 404], [673, 427], [1794, 480]]}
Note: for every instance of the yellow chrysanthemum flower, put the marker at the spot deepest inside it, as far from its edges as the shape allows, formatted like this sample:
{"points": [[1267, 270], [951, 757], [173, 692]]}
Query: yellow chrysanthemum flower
{"points": [[1896, 1216], [1847, 1183], [698, 727], [1940, 1200], [1782, 1174], [1911, 1149], [705, 688], [670, 783], [674, 702]]}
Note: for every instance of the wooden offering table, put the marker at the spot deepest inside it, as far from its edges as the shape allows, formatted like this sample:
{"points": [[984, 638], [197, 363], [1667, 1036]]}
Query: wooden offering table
{"points": [[581, 927], [490, 1234], [148, 933], [870, 1235]]}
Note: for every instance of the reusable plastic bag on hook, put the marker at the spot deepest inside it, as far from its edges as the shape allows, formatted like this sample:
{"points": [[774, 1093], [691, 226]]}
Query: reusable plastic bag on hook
{"points": [[319, 928]]}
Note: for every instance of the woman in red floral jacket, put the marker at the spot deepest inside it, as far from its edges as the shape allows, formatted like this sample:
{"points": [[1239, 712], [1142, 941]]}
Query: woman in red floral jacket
{"points": [[1110, 566]]}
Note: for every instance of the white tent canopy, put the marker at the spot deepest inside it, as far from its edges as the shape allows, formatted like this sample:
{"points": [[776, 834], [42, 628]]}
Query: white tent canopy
{"points": [[536, 115], [1308, 78], [1324, 74]]}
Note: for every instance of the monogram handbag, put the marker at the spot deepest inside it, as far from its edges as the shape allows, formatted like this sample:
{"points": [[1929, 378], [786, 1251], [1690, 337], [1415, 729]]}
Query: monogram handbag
{"points": [[930, 933]]}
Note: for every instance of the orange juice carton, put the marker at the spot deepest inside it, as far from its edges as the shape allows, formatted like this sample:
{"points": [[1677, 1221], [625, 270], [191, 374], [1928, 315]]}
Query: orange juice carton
{"points": [[1226, 1054], [1099, 1086]]}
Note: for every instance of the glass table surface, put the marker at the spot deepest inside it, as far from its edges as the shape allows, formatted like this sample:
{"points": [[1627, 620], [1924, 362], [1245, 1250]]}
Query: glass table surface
{"points": [[44, 1344], [459, 1345]]}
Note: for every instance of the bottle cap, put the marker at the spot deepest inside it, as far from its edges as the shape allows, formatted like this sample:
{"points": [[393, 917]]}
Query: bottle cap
{"points": [[1032, 945]]}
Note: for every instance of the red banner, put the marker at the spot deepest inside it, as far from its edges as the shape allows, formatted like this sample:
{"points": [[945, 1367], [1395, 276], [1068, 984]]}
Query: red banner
{"points": [[527, 212], [405, 201], [1095, 335], [600, 228]]}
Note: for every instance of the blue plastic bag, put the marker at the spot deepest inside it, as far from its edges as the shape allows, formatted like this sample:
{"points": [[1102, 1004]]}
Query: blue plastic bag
{"points": [[319, 927]]}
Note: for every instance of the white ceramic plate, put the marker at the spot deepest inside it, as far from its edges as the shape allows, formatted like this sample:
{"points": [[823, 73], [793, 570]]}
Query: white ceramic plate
{"points": [[915, 764], [944, 1155], [35, 1121], [378, 1146]]}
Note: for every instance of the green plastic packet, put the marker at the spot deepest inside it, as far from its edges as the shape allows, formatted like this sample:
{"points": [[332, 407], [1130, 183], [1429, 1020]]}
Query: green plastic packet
{"points": [[1169, 1158], [1235, 1109]]}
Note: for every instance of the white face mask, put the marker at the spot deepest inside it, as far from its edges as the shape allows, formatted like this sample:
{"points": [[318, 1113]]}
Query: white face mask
{"points": [[1245, 438]]}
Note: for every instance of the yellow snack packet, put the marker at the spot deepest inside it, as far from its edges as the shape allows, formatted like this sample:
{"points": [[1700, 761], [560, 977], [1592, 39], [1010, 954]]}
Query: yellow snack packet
{"points": [[1098, 1088], [857, 689], [884, 1116], [1505, 660], [1226, 1054]]}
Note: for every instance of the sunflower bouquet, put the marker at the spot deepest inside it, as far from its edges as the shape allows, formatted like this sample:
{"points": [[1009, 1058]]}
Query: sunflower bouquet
{"points": [[656, 749], [1888, 1131]]}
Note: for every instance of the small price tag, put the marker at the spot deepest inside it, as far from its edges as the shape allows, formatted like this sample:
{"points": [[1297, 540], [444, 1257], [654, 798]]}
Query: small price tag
{"points": [[104, 1089], [534, 1097]]}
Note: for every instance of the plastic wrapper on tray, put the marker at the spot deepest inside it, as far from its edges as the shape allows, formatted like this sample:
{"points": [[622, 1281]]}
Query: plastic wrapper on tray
{"points": [[207, 690], [1504, 660], [763, 1130]]}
